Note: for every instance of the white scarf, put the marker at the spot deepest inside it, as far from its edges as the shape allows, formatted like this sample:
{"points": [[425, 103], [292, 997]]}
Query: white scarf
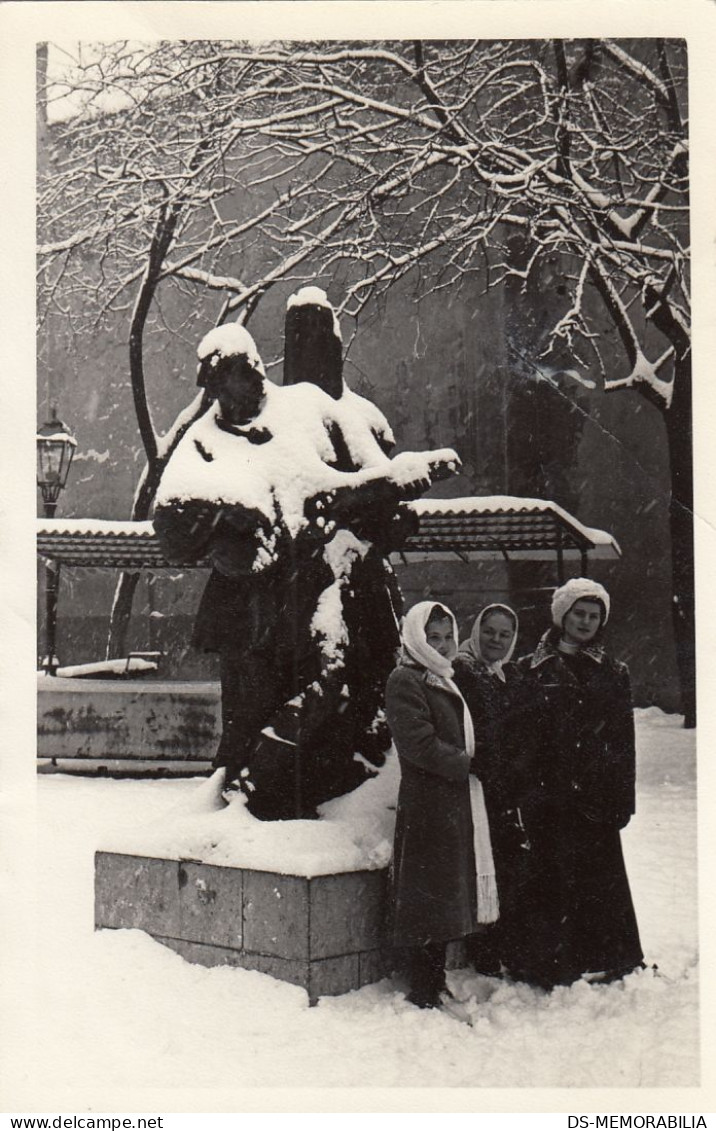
{"points": [[416, 648]]}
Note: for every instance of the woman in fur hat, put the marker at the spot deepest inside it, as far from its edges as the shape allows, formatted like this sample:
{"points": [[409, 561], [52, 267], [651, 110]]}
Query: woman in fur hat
{"points": [[504, 714], [581, 908], [443, 880]]}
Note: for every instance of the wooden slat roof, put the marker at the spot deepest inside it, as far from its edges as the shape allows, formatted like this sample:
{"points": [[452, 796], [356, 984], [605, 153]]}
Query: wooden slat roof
{"points": [[473, 528], [489, 526]]}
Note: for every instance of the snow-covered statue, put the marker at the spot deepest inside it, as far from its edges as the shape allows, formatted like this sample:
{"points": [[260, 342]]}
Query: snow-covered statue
{"points": [[292, 495]]}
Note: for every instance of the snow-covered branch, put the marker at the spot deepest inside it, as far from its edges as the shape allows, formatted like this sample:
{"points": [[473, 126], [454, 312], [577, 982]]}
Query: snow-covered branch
{"points": [[298, 157]]}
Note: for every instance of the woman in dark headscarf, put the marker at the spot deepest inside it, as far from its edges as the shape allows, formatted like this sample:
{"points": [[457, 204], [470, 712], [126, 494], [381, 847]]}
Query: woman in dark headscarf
{"points": [[503, 713], [582, 913]]}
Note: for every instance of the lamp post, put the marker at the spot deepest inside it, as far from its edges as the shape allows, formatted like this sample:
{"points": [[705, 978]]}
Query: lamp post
{"points": [[55, 449]]}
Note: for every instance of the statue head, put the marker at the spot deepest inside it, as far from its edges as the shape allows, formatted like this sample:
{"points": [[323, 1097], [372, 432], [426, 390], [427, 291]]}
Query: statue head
{"points": [[231, 371]]}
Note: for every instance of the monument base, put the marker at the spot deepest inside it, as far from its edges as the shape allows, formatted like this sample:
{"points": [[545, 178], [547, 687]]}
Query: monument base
{"points": [[325, 933]]}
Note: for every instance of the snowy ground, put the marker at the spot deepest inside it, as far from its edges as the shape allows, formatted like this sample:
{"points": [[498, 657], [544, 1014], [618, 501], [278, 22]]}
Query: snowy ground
{"points": [[120, 1011]]}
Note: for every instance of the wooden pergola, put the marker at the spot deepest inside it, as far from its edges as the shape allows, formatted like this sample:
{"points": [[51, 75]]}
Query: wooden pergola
{"points": [[472, 529]]}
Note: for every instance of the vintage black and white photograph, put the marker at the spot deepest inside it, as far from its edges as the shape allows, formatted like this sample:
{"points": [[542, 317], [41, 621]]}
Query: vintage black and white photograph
{"points": [[366, 666]]}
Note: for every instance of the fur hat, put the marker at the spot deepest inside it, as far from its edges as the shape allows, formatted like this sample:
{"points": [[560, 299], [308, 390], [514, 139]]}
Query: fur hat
{"points": [[573, 590]]}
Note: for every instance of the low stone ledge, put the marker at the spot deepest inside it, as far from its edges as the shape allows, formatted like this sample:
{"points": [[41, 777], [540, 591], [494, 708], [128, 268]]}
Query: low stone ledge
{"points": [[157, 721]]}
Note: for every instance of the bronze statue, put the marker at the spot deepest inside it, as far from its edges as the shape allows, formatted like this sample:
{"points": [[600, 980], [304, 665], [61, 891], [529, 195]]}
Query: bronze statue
{"points": [[291, 493]]}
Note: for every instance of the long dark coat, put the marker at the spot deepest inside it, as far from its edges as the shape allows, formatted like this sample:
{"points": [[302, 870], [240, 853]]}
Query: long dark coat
{"points": [[505, 716], [580, 917], [434, 885]]}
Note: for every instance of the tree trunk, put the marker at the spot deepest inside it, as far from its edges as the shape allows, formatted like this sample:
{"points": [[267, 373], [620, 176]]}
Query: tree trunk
{"points": [[121, 612], [681, 517], [141, 510], [126, 587], [678, 421], [128, 581]]}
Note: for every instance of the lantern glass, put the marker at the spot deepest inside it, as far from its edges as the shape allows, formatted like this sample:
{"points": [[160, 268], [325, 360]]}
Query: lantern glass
{"points": [[55, 449]]}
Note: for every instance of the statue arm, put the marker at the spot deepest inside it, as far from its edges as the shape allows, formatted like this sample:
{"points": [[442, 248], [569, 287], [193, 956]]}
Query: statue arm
{"points": [[366, 497], [184, 529], [230, 535], [239, 536]]}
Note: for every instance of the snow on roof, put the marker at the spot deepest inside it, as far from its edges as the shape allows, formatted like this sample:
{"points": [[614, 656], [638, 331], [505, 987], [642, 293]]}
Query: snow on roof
{"points": [[230, 340], [475, 527], [314, 296], [490, 504]]}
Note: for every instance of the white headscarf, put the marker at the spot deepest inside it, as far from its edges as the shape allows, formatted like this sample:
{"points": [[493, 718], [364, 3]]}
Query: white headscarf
{"points": [[416, 648], [415, 641], [472, 646]]}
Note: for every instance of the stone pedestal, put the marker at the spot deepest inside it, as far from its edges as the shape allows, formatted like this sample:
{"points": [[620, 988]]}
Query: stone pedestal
{"points": [[325, 933]]}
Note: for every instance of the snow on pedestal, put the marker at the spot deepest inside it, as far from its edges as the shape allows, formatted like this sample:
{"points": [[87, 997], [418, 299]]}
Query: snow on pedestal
{"points": [[354, 833]]}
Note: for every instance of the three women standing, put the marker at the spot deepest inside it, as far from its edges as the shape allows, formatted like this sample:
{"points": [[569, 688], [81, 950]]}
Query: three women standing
{"points": [[553, 746]]}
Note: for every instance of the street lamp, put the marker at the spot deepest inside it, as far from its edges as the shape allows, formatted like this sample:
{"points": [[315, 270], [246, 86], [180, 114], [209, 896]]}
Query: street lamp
{"points": [[55, 449]]}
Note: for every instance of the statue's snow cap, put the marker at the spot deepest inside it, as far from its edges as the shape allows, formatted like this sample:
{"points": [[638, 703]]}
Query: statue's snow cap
{"points": [[314, 296], [231, 340]]}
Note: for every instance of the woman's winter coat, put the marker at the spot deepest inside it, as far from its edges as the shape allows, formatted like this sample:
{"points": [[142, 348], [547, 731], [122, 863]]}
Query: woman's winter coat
{"points": [[504, 714], [581, 911], [434, 878]]}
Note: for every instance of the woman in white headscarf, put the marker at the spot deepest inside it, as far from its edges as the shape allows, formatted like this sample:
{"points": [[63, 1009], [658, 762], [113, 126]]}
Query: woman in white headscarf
{"points": [[582, 917], [443, 880], [503, 715]]}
